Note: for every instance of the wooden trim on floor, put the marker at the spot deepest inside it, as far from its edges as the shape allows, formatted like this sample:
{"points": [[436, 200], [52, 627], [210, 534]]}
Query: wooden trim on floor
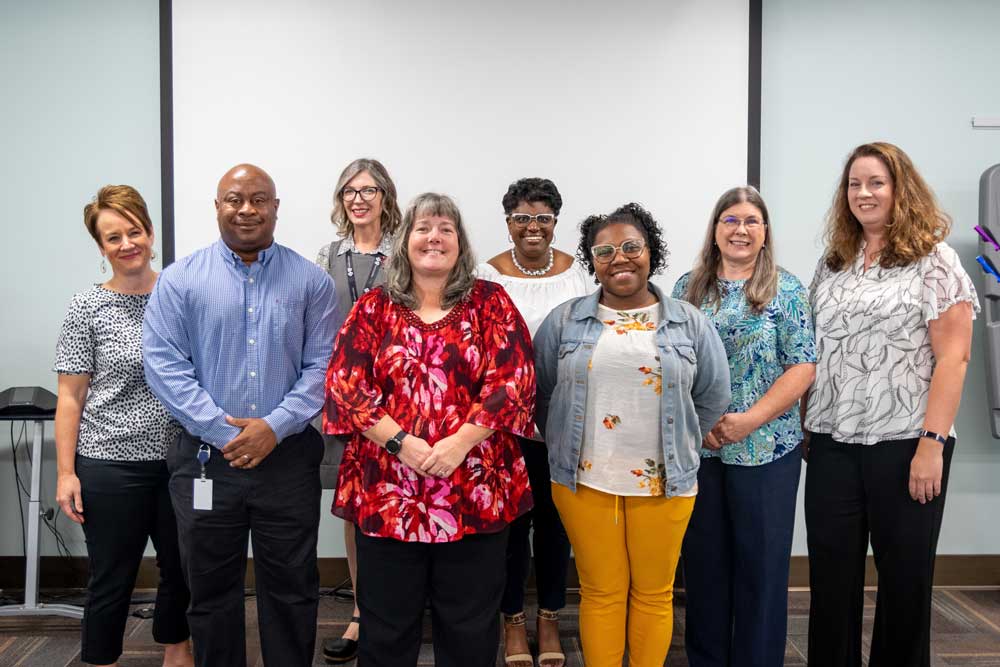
{"points": [[63, 573]]}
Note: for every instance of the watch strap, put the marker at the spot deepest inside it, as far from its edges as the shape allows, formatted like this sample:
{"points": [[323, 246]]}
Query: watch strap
{"points": [[934, 436], [397, 440]]}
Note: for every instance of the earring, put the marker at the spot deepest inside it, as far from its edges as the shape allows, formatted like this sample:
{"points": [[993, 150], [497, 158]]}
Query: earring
{"points": [[104, 266], [152, 255], [510, 238]]}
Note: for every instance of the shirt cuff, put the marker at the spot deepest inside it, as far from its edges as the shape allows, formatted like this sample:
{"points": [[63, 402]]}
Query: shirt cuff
{"points": [[281, 422], [218, 434]]}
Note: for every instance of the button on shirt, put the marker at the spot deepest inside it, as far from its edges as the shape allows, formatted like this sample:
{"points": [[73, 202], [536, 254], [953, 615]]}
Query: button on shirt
{"points": [[223, 338]]}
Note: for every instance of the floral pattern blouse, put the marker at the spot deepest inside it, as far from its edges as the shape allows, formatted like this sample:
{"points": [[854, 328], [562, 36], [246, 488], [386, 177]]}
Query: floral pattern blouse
{"points": [[875, 358], [475, 365], [621, 451], [759, 347]]}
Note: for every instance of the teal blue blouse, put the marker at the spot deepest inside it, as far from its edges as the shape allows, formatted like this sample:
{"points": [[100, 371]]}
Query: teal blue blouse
{"points": [[759, 347]]}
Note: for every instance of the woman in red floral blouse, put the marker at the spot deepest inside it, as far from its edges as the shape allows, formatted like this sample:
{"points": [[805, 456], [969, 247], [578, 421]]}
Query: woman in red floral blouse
{"points": [[432, 376]]}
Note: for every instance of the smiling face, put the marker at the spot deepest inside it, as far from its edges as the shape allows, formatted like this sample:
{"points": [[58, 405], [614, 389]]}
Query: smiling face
{"points": [[532, 241], [740, 243], [623, 280], [247, 211], [359, 211], [870, 193], [124, 242], [433, 246]]}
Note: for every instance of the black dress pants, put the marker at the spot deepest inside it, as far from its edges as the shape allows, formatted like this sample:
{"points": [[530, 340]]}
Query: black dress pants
{"points": [[853, 493], [463, 581], [276, 506], [126, 503], [549, 539]]}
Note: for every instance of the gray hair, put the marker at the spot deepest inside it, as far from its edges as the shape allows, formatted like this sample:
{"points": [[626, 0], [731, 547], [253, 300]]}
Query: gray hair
{"points": [[399, 278], [390, 208], [763, 283]]}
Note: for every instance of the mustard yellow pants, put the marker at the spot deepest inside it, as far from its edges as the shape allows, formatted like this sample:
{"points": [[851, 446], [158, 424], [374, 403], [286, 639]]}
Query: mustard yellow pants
{"points": [[626, 549]]}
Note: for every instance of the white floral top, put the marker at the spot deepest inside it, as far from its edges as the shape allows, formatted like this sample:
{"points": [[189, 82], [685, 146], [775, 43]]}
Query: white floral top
{"points": [[873, 346], [621, 452]]}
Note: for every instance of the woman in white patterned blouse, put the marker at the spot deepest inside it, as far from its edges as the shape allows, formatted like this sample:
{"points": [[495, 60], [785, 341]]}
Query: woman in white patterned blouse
{"points": [[893, 309]]}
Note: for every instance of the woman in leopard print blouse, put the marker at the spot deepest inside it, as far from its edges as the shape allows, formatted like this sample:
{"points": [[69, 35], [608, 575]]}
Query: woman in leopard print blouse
{"points": [[111, 437]]}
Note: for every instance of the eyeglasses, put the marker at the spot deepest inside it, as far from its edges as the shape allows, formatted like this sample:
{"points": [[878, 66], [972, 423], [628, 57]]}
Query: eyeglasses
{"points": [[367, 193], [523, 219], [750, 222], [631, 248]]}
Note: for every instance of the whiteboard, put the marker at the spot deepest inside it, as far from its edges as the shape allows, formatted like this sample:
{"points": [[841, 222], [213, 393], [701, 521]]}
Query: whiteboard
{"points": [[639, 100]]}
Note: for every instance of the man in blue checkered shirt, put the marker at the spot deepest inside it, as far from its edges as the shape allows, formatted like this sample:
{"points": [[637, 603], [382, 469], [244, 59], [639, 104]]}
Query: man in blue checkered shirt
{"points": [[236, 340]]}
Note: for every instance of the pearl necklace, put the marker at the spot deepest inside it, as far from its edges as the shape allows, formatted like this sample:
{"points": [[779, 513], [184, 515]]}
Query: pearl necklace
{"points": [[533, 272]]}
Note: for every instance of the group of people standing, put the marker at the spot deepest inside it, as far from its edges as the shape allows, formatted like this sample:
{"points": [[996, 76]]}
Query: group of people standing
{"points": [[475, 415]]}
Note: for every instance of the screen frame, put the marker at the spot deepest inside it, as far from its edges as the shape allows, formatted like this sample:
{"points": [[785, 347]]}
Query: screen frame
{"points": [[167, 232]]}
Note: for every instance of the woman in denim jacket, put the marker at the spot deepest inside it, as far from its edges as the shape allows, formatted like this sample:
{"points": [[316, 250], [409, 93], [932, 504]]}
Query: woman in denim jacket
{"points": [[629, 381]]}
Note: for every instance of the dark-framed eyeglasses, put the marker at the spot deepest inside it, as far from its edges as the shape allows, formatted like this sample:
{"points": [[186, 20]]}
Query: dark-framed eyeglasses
{"points": [[630, 248], [367, 193], [522, 220], [750, 222]]}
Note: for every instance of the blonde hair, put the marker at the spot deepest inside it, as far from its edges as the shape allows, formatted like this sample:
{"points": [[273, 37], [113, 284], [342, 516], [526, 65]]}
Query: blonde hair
{"points": [[761, 287], [399, 278], [916, 223], [391, 216], [122, 199]]}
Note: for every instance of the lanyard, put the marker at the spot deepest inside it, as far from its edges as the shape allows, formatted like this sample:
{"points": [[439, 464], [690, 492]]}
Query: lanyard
{"points": [[371, 275], [204, 453]]}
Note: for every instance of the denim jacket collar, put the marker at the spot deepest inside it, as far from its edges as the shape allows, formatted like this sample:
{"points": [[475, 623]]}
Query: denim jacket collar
{"points": [[670, 310]]}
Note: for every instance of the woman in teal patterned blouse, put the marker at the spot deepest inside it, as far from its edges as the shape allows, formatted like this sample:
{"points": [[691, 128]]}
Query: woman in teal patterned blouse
{"points": [[738, 544]]}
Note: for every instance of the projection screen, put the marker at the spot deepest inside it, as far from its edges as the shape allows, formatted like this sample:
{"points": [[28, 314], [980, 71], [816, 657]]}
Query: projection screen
{"points": [[640, 100]]}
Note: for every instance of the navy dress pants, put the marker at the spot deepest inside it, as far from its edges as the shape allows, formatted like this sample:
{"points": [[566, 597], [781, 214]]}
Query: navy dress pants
{"points": [[736, 554]]}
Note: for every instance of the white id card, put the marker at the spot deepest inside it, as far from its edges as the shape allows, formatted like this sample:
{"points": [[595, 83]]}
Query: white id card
{"points": [[202, 493]]}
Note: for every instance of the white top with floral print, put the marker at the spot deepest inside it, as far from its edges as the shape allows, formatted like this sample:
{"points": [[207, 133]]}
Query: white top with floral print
{"points": [[621, 451]]}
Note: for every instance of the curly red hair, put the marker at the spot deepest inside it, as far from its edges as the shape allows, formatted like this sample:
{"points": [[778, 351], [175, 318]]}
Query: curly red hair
{"points": [[916, 225]]}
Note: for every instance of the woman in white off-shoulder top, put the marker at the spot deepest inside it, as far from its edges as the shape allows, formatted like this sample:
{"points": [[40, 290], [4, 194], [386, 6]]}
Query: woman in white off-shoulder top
{"points": [[538, 278]]}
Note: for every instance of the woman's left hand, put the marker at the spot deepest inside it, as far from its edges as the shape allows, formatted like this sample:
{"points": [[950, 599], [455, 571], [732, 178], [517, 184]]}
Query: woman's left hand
{"points": [[733, 427], [925, 471], [446, 455]]}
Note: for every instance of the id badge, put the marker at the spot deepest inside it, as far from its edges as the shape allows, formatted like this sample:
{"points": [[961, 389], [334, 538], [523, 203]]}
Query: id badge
{"points": [[202, 493]]}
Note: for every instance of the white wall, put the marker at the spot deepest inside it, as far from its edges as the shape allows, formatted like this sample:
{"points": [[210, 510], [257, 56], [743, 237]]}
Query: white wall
{"points": [[840, 73], [80, 110]]}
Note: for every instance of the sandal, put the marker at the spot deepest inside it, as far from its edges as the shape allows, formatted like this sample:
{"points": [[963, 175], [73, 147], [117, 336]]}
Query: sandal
{"points": [[511, 622], [549, 658]]}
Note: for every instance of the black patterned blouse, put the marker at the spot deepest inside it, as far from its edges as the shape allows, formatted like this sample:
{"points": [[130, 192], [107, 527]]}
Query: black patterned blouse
{"points": [[102, 337]]}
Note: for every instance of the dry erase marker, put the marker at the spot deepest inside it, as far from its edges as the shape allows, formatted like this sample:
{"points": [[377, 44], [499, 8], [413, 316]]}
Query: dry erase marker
{"points": [[987, 236], [988, 267]]}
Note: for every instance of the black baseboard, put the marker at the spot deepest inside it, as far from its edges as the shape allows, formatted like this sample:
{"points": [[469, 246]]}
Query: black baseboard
{"points": [[61, 573]]}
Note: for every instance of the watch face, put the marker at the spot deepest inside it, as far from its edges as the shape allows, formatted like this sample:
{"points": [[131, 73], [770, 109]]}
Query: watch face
{"points": [[393, 446]]}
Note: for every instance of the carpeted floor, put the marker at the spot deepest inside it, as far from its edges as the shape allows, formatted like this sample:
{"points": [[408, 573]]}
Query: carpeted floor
{"points": [[966, 631]]}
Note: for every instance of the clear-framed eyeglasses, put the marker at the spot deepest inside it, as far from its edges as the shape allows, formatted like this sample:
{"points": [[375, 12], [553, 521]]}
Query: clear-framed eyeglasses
{"points": [[630, 248], [750, 222]]}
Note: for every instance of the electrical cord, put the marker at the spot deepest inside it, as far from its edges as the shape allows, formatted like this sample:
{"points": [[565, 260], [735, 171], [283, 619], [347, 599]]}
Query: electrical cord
{"points": [[342, 592]]}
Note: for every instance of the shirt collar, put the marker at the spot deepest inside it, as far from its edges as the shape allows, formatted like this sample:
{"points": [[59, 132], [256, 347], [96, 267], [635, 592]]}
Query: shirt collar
{"points": [[264, 256], [670, 309], [384, 246]]}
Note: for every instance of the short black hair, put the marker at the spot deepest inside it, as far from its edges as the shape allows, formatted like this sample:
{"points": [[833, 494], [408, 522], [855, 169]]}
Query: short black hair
{"points": [[629, 214], [532, 190]]}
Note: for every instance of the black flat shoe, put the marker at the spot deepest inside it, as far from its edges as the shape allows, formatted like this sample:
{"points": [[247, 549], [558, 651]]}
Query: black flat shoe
{"points": [[340, 649]]}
